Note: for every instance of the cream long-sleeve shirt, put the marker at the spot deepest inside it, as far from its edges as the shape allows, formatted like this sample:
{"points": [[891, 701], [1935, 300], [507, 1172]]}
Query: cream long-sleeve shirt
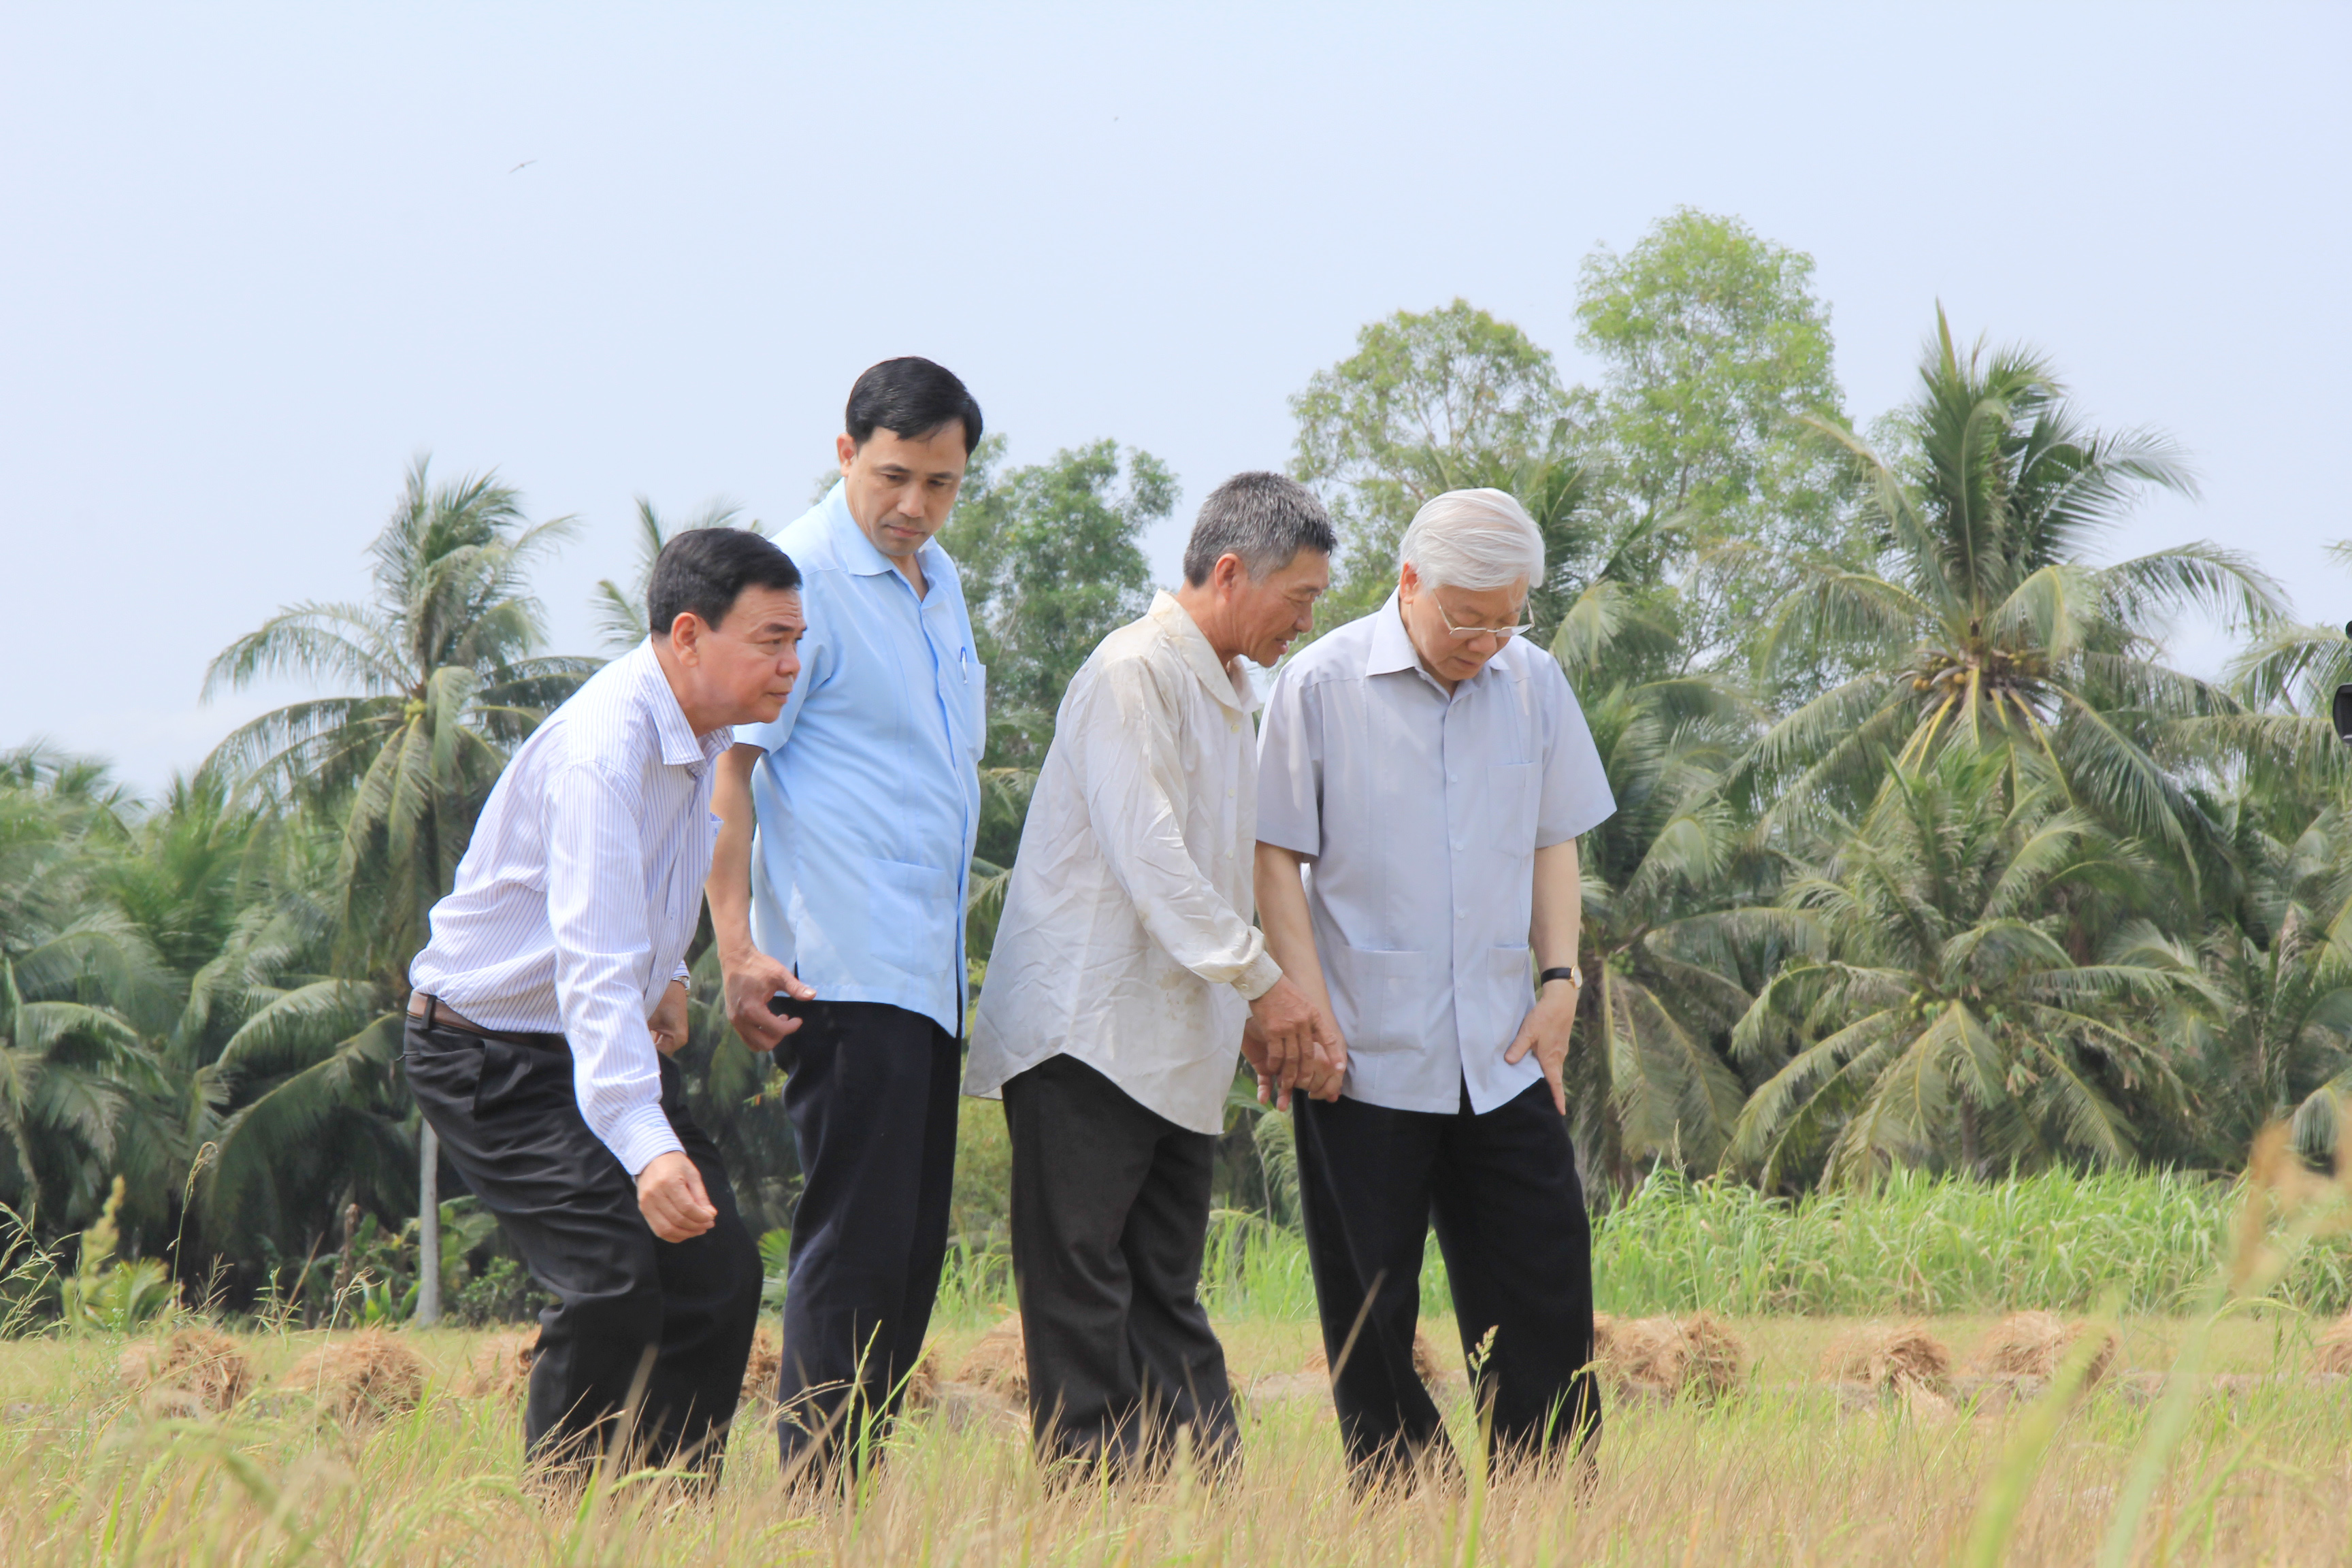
{"points": [[1126, 940]]}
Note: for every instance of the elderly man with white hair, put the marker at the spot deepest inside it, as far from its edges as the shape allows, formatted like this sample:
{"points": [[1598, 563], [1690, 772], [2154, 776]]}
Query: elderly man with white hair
{"points": [[1429, 771]]}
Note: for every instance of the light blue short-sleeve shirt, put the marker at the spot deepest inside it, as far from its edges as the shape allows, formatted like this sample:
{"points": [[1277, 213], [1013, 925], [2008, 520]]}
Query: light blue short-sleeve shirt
{"points": [[869, 796], [1421, 813]]}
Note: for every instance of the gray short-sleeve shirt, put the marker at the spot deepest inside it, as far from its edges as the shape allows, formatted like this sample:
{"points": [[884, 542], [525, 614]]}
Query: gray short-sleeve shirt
{"points": [[1421, 813]]}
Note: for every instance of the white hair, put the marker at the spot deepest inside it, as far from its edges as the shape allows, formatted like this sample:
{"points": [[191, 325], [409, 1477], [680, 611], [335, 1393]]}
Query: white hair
{"points": [[1475, 540]]}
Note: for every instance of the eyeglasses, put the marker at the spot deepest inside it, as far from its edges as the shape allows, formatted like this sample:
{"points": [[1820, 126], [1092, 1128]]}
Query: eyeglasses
{"points": [[1464, 634]]}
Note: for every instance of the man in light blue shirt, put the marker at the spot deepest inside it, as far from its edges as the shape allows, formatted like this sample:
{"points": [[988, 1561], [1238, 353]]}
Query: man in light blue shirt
{"points": [[1434, 769], [846, 906]]}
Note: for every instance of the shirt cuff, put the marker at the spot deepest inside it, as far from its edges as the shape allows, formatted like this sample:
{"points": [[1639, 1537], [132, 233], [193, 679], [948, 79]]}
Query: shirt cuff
{"points": [[1259, 977], [643, 1136], [681, 974]]}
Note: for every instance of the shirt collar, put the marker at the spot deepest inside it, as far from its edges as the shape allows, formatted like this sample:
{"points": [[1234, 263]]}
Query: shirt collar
{"points": [[1392, 648], [856, 552], [1199, 656], [680, 747]]}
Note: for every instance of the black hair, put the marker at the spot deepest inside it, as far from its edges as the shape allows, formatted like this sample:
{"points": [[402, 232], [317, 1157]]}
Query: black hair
{"points": [[910, 398], [705, 570], [1262, 517]]}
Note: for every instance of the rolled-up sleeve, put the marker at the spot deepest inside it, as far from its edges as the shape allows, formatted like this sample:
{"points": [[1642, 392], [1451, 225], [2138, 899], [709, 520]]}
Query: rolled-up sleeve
{"points": [[1290, 768], [1134, 778], [604, 947], [1576, 797]]}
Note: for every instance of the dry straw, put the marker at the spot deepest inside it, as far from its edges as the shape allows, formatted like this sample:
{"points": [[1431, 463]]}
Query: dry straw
{"points": [[1891, 1358], [189, 1370], [2032, 1344], [363, 1378], [1000, 1361], [2333, 1353], [1698, 1356], [501, 1368], [1427, 1365]]}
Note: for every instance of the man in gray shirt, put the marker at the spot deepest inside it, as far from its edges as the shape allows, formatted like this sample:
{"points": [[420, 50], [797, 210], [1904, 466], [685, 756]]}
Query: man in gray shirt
{"points": [[1434, 769]]}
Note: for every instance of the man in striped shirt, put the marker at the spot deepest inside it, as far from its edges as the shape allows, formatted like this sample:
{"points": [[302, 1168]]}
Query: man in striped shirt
{"points": [[553, 990]]}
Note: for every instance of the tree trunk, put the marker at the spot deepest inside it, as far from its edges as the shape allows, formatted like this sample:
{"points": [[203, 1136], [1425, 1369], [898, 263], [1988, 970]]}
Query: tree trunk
{"points": [[1972, 1157], [428, 1225]]}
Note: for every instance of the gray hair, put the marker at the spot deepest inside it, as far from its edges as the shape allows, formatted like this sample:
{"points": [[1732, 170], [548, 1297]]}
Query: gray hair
{"points": [[1475, 540], [1264, 519]]}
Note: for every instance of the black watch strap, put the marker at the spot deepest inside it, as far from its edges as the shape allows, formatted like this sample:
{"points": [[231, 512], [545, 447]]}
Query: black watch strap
{"points": [[1570, 972]]}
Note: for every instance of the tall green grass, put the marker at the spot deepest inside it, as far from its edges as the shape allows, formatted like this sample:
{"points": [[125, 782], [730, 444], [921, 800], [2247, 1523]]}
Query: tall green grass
{"points": [[1914, 1244]]}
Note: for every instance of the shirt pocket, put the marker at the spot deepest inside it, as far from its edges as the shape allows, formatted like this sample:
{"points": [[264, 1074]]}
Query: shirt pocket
{"points": [[911, 913], [1384, 994]]}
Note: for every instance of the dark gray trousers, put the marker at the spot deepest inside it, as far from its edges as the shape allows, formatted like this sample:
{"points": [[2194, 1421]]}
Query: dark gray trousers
{"points": [[508, 1119], [872, 1100], [1509, 1213], [1110, 1214]]}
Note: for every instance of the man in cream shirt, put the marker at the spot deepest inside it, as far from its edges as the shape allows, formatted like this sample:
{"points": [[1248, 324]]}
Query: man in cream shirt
{"points": [[1124, 971]]}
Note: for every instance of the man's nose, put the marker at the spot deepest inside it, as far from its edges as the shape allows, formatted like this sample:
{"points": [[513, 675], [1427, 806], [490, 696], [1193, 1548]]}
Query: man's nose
{"points": [[910, 501]]}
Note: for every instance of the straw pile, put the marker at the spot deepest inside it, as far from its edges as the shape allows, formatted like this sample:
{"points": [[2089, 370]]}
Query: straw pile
{"points": [[922, 1389], [765, 1369], [187, 1371], [501, 1368], [1893, 1358], [1698, 1355], [2333, 1353], [2032, 1344], [363, 1378], [1000, 1361], [1426, 1364]]}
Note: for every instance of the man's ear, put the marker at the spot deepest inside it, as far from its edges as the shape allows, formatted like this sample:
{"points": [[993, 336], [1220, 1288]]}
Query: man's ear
{"points": [[686, 637], [1228, 575], [846, 450]]}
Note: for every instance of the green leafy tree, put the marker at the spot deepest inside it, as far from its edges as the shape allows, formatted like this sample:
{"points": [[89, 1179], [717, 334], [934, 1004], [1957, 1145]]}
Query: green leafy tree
{"points": [[1934, 1016], [1716, 351], [1443, 400], [1983, 619], [1051, 558]]}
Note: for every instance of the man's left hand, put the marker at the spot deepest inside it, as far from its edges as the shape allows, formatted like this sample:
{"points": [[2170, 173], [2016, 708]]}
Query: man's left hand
{"points": [[668, 1023], [1545, 1032]]}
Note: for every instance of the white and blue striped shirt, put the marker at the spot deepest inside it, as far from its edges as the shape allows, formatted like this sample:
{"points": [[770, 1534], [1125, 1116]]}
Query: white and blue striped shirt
{"points": [[580, 890]]}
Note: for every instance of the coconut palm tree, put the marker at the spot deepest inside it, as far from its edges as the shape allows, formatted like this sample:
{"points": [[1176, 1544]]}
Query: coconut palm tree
{"points": [[448, 677], [1648, 1080], [74, 976], [1986, 620], [621, 612], [1936, 1018]]}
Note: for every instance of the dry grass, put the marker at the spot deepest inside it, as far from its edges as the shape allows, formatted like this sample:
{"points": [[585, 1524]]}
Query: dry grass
{"points": [[363, 1377], [2032, 1344], [1427, 1365], [189, 1370], [1891, 1358], [1698, 1356], [1791, 1474], [501, 1368], [2333, 1353], [999, 1363]]}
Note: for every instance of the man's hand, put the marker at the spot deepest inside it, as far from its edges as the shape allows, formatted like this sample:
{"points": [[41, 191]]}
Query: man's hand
{"points": [[1545, 1032], [668, 1024], [1325, 1070], [1284, 1020], [751, 979], [671, 1197]]}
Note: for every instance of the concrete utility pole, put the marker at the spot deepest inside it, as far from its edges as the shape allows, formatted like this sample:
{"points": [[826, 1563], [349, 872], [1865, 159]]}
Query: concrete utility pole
{"points": [[428, 1225]]}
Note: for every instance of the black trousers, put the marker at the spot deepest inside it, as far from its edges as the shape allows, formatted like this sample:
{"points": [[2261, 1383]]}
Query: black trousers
{"points": [[508, 1119], [1509, 1213], [872, 1100], [1110, 1213]]}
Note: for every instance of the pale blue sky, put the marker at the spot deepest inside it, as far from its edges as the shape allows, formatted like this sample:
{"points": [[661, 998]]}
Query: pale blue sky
{"points": [[252, 259]]}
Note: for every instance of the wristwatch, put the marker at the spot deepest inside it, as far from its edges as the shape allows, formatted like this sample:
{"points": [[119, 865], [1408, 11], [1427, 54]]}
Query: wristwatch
{"points": [[1569, 972]]}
